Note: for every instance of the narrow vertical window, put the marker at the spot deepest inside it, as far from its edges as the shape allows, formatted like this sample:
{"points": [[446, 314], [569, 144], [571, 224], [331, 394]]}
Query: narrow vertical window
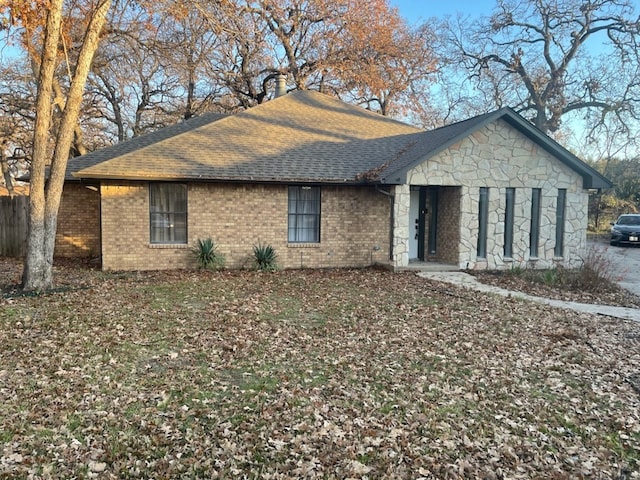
{"points": [[483, 217], [510, 200], [560, 219], [304, 215], [534, 232], [168, 213]]}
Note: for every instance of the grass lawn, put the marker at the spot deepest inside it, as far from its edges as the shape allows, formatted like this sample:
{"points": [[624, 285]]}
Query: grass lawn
{"points": [[329, 374]]}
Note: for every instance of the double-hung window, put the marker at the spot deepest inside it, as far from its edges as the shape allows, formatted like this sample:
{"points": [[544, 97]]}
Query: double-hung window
{"points": [[304, 214], [168, 213]]}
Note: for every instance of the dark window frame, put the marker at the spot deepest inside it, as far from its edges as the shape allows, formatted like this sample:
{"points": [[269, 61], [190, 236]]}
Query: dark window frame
{"points": [[483, 222], [304, 214], [534, 231], [168, 225], [561, 208], [509, 219]]}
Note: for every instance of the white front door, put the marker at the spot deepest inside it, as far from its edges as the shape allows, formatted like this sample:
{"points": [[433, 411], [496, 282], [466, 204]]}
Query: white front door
{"points": [[414, 218]]}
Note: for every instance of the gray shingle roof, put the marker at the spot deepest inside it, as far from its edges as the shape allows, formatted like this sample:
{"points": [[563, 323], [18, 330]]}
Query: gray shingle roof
{"points": [[136, 143], [304, 136]]}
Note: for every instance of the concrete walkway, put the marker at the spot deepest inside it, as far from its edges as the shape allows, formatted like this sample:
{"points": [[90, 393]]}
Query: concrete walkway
{"points": [[469, 281]]}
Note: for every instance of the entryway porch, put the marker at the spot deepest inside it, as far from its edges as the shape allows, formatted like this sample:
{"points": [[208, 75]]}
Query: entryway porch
{"points": [[422, 266], [434, 226]]}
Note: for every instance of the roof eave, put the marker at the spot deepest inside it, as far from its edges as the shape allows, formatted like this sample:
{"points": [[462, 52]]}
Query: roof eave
{"points": [[238, 179]]}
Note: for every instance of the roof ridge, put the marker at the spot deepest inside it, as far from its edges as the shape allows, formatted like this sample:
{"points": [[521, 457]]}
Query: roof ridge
{"points": [[334, 99]]}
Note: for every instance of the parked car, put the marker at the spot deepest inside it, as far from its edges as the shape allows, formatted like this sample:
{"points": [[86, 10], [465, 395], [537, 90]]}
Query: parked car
{"points": [[626, 230]]}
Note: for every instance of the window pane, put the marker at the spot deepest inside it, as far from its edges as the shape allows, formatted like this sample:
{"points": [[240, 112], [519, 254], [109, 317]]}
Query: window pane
{"points": [[560, 218], [508, 222], [304, 214], [168, 213], [534, 233], [168, 197], [483, 214]]}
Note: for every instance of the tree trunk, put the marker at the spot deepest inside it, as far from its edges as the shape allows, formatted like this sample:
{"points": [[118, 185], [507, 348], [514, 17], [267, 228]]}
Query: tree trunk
{"points": [[78, 147], [45, 201], [4, 164], [37, 275]]}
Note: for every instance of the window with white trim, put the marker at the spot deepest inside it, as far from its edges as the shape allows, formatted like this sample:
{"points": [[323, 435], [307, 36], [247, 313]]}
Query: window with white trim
{"points": [[168, 213]]}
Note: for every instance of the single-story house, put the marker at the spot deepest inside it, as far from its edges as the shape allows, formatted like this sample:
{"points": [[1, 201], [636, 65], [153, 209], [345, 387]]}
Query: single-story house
{"points": [[329, 184]]}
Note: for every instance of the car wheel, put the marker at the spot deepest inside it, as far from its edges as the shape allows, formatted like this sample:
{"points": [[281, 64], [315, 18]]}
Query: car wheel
{"points": [[613, 243]]}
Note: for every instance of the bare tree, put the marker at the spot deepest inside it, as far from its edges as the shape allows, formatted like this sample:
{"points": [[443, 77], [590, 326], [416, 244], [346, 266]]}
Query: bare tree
{"points": [[554, 60], [360, 50], [130, 87], [193, 46], [17, 100]]}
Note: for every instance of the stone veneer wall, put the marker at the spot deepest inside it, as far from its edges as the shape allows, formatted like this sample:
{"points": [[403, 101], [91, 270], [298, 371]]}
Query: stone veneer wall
{"points": [[78, 230], [498, 156], [400, 248], [354, 226]]}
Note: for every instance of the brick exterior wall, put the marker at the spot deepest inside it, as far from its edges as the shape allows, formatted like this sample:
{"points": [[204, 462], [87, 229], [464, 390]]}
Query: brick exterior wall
{"points": [[78, 231], [448, 236], [354, 226]]}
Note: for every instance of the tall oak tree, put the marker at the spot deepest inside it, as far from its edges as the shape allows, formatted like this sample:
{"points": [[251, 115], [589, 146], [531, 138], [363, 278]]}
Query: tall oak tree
{"points": [[45, 36]]}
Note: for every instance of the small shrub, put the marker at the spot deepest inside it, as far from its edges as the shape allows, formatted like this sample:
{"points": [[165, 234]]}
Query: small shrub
{"points": [[596, 274], [207, 255], [597, 271], [549, 277], [517, 270], [264, 257]]}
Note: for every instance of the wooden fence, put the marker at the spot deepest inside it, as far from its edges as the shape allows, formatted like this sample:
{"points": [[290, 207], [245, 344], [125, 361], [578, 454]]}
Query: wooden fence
{"points": [[14, 213]]}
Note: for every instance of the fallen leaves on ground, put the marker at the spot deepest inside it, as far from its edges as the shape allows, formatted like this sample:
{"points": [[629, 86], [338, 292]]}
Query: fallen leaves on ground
{"points": [[606, 293], [306, 374]]}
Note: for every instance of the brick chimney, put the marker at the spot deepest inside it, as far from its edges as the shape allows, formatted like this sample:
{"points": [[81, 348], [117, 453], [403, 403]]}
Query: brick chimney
{"points": [[281, 85]]}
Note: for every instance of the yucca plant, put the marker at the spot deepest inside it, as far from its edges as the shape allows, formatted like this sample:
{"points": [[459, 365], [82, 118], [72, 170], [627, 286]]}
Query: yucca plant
{"points": [[264, 257], [207, 255]]}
